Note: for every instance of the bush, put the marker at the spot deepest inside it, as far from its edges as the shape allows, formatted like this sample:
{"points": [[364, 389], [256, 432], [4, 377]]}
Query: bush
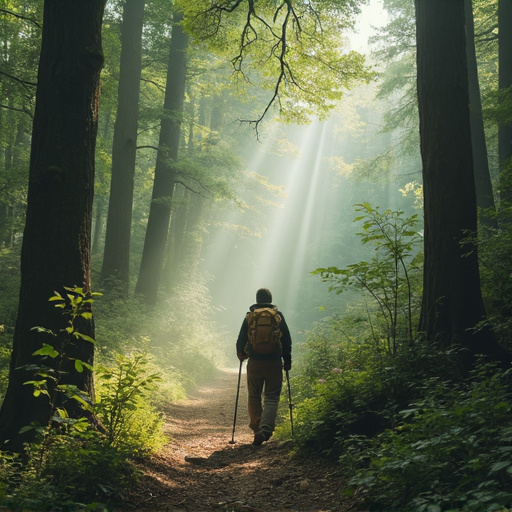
{"points": [[131, 422], [74, 470], [346, 389], [451, 450]]}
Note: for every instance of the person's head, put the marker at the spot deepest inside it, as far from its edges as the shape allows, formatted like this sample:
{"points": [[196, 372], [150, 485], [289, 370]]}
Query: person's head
{"points": [[263, 296]]}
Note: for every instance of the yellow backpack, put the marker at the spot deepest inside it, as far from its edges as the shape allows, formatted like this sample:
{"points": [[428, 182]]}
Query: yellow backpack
{"points": [[264, 334]]}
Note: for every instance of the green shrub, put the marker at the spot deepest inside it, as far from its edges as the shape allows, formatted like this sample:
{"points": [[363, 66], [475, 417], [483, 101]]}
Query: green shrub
{"points": [[5, 357], [9, 285], [390, 279], [131, 422], [496, 273], [77, 469], [451, 450]]}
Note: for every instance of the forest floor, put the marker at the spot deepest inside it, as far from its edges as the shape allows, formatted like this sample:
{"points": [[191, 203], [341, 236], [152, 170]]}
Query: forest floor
{"points": [[200, 470]]}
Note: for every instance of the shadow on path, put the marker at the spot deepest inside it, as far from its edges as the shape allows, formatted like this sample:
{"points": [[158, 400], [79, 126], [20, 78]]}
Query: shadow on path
{"points": [[199, 470]]}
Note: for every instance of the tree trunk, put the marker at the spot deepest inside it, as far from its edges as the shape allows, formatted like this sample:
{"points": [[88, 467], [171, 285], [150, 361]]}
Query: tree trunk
{"points": [[452, 303], [175, 242], [116, 257], [505, 81], [56, 242], [483, 184], [98, 225], [194, 235], [165, 172]]}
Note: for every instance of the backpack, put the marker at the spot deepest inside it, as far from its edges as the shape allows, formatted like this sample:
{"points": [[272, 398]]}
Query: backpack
{"points": [[264, 333]]}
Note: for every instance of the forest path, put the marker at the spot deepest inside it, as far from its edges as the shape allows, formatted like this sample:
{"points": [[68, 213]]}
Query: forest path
{"points": [[199, 470]]}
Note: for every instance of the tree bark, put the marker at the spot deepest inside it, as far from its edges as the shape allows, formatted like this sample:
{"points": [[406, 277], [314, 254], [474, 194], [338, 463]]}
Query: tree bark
{"points": [[116, 257], [99, 223], [483, 184], [165, 173], [504, 82], [176, 237], [56, 241], [452, 304]]}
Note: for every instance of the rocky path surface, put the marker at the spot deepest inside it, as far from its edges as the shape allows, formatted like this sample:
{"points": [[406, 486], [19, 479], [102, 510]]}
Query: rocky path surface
{"points": [[200, 470]]}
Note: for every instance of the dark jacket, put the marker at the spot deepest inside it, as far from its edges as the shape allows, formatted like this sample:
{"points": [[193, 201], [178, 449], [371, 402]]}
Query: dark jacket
{"points": [[286, 340]]}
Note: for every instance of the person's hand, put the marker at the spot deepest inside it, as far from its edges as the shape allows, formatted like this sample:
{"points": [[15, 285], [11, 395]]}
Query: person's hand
{"points": [[242, 356], [287, 366]]}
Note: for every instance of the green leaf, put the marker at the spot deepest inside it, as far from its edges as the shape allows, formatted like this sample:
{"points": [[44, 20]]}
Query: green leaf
{"points": [[43, 329], [79, 367], [62, 412], [500, 465], [25, 429], [46, 350], [77, 334]]}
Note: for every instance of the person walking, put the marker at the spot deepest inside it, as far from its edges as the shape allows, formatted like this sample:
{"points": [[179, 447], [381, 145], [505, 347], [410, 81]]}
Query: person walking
{"points": [[264, 340]]}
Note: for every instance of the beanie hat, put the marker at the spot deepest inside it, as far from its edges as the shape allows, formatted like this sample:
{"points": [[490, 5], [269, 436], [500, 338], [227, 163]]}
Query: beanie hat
{"points": [[263, 296]]}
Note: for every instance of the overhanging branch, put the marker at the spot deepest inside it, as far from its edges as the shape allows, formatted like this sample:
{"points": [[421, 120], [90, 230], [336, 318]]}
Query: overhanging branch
{"points": [[21, 17]]}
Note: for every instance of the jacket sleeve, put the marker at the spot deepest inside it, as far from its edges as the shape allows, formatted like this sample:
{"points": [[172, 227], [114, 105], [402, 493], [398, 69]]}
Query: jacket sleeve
{"points": [[286, 340], [242, 337]]}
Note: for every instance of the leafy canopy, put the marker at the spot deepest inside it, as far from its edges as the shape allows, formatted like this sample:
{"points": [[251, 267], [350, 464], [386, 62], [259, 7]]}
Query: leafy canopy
{"points": [[293, 49]]}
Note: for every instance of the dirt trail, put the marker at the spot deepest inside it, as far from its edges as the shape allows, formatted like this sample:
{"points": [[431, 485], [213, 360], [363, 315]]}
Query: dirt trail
{"points": [[199, 470]]}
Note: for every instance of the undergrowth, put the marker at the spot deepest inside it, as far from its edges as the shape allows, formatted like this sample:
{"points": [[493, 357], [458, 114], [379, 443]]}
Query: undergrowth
{"points": [[144, 359], [411, 430]]}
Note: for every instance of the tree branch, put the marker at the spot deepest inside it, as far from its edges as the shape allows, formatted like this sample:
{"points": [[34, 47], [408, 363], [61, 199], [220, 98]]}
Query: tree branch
{"points": [[147, 147], [210, 21], [21, 17], [191, 189], [158, 86], [24, 110], [24, 83]]}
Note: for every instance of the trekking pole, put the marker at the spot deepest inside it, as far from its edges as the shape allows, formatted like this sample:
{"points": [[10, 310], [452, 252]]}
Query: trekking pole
{"points": [[290, 400], [236, 403]]}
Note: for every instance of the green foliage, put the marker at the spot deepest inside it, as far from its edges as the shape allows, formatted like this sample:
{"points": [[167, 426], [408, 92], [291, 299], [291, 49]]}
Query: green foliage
{"points": [[76, 306], [130, 421], [78, 460], [121, 323], [9, 286], [295, 50], [496, 273], [451, 450], [390, 278], [78, 472], [348, 389], [185, 341]]}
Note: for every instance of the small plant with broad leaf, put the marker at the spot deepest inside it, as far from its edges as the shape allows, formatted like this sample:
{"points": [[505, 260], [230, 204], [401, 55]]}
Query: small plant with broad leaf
{"points": [[124, 408], [389, 278], [48, 381]]}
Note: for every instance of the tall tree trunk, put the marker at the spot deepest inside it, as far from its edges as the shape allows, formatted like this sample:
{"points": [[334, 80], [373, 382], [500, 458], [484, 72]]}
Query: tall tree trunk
{"points": [[56, 241], [452, 303], [116, 257], [165, 172], [483, 184], [98, 225], [194, 235], [175, 241], [505, 81]]}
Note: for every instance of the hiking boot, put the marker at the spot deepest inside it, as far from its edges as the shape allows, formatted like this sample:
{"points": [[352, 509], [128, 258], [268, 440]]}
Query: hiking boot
{"points": [[259, 438]]}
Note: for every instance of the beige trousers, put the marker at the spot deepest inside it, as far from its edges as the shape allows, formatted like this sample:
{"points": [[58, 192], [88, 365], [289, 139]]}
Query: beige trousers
{"points": [[264, 378]]}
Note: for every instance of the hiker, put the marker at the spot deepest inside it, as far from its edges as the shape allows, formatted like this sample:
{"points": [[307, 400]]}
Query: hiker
{"points": [[264, 367]]}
